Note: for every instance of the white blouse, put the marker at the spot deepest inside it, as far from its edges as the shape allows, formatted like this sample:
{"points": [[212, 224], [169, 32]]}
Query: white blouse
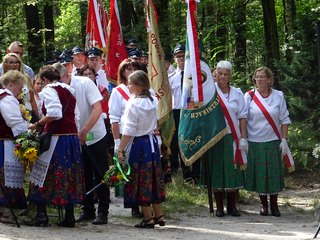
{"points": [[52, 102], [10, 111], [235, 104], [259, 129], [140, 116], [117, 105]]}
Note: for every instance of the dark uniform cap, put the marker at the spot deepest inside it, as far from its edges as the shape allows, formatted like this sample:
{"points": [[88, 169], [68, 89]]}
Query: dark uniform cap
{"points": [[94, 52], [66, 56], [144, 54], [77, 50], [132, 41], [179, 48], [134, 53], [55, 53]]}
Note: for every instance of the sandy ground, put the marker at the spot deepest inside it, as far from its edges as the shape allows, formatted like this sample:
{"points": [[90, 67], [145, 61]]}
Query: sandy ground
{"points": [[297, 222]]}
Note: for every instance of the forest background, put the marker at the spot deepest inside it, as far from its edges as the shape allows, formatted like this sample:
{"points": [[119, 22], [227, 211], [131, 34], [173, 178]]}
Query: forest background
{"points": [[281, 34]]}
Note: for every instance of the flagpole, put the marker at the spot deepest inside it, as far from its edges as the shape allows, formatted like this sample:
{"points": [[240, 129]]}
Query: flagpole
{"points": [[206, 160]]}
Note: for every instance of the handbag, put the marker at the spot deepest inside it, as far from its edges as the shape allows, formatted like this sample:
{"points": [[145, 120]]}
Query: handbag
{"points": [[44, 141], [45, 137]]}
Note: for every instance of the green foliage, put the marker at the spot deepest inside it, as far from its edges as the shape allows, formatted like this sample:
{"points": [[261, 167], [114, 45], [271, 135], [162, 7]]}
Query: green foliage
{"points": [[12, 24], [68, 25], [302, 140]]}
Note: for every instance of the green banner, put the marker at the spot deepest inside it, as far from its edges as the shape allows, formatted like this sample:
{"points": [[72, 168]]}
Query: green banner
{"points": [[200, 129]]}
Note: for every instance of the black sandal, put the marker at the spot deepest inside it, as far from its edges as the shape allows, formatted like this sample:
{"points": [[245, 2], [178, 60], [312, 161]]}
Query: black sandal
{"points": [[157, 221], [144, 224]]}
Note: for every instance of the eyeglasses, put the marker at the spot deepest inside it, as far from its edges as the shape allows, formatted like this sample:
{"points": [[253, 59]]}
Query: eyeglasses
{"points": [[12, 62], [179, 57]]}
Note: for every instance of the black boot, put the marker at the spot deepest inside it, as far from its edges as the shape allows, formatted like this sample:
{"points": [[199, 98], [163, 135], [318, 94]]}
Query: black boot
{"points": [[219, 203], [41, 218], [69, 220], [263, 205], [274, 205], [135, 212], [231, 204]]}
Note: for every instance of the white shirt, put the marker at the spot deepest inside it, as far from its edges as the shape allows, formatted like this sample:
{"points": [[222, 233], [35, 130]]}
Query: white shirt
{"points": [[140, 116], [87, 94], [101, 79], [117, 105], [259, 129], [10, 111], [171, 69], [175, 85], [236, 104]]}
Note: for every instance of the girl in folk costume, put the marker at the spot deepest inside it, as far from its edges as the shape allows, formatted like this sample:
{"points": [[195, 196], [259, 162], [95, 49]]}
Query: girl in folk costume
{"points": [[228, 157], [117, 103], [57, 176], [11, 124], [268, 120], [146, 185]]}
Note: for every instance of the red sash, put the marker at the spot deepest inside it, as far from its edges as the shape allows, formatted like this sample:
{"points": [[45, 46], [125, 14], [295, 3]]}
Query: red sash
{"points": [[239, 158], [123, 93], [288, 159]]}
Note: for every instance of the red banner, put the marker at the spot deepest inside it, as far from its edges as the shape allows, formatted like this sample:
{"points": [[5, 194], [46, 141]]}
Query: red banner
{"points": [[96, 29], [116, 46]]}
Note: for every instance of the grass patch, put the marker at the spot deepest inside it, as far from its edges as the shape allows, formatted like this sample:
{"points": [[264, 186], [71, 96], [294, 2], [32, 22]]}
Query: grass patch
{"points": [[182, 197]]}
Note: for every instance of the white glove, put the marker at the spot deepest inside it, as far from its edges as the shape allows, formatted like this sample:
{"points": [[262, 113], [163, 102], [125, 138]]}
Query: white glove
{"points": [[159, 141], [284, 148], [243, 144], [116, 145]]}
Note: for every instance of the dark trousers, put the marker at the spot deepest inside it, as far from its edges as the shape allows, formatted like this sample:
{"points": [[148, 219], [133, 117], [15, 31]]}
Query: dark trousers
{"points": [[95, 164], [175, 159]]}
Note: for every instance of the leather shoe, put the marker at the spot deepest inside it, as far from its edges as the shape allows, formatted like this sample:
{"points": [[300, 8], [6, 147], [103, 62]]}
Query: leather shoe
{"points": [[67, 223], [100, 219], [233, 212], [219, 213], [86, 217], [135, 212]]}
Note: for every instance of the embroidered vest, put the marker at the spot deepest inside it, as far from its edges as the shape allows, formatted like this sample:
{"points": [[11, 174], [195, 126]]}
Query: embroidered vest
{"points": [[5, 131], [66, 124]]}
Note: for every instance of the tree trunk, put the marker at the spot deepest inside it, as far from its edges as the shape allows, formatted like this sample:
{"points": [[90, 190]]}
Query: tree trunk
{"points": [[83, 15], [49, 29], [164, 23], [34, 37], [239, 23], [221, 33], [289, 16], [271, 38], [127, 14], [318, 44]]}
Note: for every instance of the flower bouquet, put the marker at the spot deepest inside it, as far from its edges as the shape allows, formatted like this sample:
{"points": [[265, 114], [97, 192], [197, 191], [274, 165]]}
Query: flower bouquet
{"points": [[24, 111], [117, 173], [27, 147]]}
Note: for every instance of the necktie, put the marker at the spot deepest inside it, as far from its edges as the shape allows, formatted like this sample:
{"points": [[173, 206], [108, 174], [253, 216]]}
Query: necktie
{"points": [[182, 72]]}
